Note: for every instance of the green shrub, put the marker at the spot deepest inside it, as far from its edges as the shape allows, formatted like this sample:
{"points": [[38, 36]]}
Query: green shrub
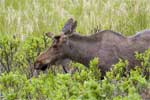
{"points": [[144, 58], [17, 54], [81, 85]]}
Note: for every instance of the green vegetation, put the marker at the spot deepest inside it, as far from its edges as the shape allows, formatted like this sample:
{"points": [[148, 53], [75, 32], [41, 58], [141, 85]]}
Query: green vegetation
{"points": [[82, 85], [22, 24]]}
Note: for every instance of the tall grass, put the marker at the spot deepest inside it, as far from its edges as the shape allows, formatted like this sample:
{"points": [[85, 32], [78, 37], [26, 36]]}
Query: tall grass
{"points": [[38, 16]]}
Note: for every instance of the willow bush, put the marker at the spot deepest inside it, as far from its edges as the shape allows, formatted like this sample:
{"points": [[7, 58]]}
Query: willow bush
{"points": [[83, 85]]}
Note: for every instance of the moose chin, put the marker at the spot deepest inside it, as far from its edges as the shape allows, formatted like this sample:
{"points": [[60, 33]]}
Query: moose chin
{"points": [[107, 45]]}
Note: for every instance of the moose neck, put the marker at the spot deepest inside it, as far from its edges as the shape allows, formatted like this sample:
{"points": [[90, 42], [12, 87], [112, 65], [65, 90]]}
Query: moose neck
{"points": [[80, 49]]}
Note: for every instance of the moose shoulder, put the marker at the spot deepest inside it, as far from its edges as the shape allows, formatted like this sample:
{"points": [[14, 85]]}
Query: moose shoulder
{"points": [[107, 45]]}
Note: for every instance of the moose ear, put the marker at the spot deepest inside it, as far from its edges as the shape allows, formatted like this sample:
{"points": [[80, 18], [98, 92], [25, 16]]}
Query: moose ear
{"points": [[49, 34], [69, 27], [69, 22], [73, 28]]}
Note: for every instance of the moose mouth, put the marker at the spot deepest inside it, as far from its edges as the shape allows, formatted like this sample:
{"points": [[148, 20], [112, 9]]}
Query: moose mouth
{"points": [[39, 66], [44, 66]]}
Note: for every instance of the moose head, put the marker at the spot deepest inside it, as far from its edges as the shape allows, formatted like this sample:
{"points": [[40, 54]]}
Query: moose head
{"points": [[59, 48]]}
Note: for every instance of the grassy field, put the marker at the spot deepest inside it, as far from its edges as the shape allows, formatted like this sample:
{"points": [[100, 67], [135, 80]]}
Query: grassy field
{"points": [[38, 16], [29, 19]]}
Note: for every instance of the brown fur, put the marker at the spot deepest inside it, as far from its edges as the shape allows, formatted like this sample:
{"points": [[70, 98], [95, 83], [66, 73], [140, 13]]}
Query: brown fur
{"points": [[107, 45]]}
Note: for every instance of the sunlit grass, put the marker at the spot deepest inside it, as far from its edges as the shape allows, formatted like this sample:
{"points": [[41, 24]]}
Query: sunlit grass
{"points": [[39, 16]]}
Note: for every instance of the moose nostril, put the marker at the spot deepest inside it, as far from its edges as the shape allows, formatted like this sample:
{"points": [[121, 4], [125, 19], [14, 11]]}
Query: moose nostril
{"points": [[36, 65]]}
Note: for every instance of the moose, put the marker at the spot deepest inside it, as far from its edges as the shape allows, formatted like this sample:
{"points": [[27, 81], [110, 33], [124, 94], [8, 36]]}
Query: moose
{"points": [[107, 45]]}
